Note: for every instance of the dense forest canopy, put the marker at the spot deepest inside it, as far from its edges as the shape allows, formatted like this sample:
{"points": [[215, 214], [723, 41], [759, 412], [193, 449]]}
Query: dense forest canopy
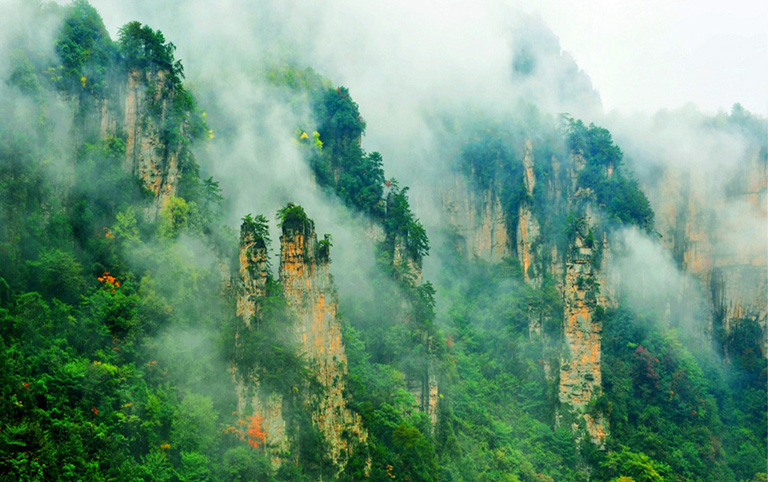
{"points": [[131, 326]]}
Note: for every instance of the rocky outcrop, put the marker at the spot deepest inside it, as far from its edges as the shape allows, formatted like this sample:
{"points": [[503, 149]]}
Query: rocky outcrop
{"points": [[580, 368], [528, 229], [152, 150], [312, 305], [139, 106], [582, 275], [607, 277], [479, 220], [254, 267], [311, 295], [253, 399], [739, 296], [404, 263], [716, 230], [426, 393]]}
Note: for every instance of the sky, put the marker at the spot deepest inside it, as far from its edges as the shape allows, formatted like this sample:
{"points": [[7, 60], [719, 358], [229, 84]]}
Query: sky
{"points": [[644, 55]]}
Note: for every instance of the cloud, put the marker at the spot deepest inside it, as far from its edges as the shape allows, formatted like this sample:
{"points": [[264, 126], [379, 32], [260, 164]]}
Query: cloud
{"points": [[411, 65], [711, 168], [651, 283]]}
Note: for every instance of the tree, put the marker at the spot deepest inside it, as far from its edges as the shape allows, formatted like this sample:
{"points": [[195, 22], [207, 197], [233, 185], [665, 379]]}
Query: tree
{"points": [[194, 425], [143, 48], [637, 466], [85, 48]]}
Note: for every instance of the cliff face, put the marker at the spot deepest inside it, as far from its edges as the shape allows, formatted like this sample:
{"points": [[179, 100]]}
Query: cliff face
{"points": [[311, 295], [528, 229], [153, 159], [583, 276], [138, 106], [312, 305], [404, 263], [479, 220], [253, 400], [716, 230], [580, 370]]}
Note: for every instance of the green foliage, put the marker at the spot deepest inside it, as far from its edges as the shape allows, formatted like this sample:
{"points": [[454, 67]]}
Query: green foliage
{"points": [[324, 248], [94, 304], [743, 343], [116, 340], [638, 466], [293, 220], [178, 216], [194, 468], [614, 191], [400, 441], [356, 177], [243, 465], [497, 412], [85, 49], [298, 79], [24, 191], [24, 76], [676, 406], [342, 125], [93, 204], [144, 48], [258, 227], [194, 428], [338, 159], [57, 274], [402, 226]]}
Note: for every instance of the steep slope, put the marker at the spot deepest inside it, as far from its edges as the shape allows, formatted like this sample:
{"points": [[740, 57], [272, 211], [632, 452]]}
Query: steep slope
{"points": [[569, 204], [133, 91], [479, 221], [124, 355], [254, 401], [311, 295], [572, 199], [580, 364], [713, 221], [311, 328]]}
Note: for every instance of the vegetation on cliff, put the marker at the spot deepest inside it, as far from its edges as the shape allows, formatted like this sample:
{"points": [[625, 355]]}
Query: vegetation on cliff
{"points": [[615, 192], [118, 329]]}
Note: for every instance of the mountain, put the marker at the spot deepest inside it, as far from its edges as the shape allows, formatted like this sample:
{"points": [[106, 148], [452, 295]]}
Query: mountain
{"points": [[554, 301]]}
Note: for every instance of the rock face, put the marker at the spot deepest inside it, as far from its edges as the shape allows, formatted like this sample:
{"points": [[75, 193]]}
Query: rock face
{"points": [[311, 295], [580, 369], [479, 220], [139, 107], [717, 230], [312, 303], [583, 276], [254, 268], [151, 154], [403, 262], [740, 296], [425, 391], [253, 400], [528, 229]]}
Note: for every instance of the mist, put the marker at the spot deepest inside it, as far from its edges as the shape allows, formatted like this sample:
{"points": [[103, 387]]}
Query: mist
{"points": [[651, 284], [430, 78], [711, 165], [410, 66]]}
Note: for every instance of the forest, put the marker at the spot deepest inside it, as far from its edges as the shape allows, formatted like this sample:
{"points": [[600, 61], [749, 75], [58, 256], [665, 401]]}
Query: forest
{"points": [[152, 328]]}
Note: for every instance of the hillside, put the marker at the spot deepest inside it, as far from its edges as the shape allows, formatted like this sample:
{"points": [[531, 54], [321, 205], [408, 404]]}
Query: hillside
{"points": [[219, 281]]}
